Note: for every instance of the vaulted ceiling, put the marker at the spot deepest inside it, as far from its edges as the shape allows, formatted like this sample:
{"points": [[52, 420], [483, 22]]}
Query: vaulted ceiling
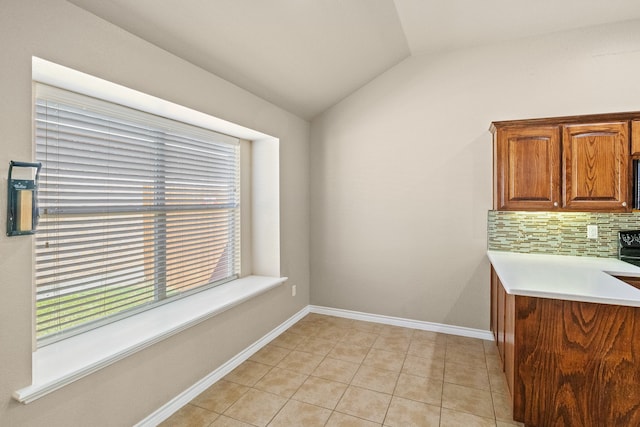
{"points": [[306, 55]]}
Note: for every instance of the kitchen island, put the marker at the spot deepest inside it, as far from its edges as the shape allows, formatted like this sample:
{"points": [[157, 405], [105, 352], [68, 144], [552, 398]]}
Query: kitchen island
{"points": [[568, 332]]}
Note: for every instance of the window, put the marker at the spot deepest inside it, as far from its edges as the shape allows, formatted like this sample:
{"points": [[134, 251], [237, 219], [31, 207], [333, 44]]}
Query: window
{"points": [[136, 209]]}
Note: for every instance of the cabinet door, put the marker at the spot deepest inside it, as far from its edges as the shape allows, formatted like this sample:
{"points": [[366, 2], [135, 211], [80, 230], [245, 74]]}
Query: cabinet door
{"points": [[635, 138], [527, 161], [500, 320], [494, 304], [509, 340], [596, 164]]}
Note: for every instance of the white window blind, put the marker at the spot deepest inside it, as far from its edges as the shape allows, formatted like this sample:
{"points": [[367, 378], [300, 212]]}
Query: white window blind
{"points": [[135, 210]]}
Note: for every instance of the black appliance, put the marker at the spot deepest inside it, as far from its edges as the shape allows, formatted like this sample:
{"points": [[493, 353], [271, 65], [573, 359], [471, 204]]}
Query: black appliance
{"points": [[629, 246]]}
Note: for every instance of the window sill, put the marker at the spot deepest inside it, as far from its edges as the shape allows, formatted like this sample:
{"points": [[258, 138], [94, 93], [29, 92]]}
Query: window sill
{"points": [[66, 361]]}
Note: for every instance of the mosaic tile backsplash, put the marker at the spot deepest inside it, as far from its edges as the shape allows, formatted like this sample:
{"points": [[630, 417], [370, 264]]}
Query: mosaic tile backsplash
{"points": [[559, 233]]}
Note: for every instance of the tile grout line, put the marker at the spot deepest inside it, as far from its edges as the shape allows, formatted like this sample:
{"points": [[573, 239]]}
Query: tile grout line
{"points": [[304, 335], [325, 356]]}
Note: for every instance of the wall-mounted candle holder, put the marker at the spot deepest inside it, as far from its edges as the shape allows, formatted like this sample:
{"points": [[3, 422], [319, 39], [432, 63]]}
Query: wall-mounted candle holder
{"points": [[22, 198]]}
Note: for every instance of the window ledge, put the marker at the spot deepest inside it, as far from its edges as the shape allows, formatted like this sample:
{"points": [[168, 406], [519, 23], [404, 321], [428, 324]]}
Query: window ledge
{"points": [[68, 360]]}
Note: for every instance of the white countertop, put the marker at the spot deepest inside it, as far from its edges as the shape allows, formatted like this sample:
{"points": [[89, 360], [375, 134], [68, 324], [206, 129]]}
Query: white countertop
{"points": [[573, 278]]}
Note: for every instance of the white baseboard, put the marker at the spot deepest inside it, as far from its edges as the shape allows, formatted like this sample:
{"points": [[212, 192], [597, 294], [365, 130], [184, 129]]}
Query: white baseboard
{"points": [[406, 323], [188, 395]]}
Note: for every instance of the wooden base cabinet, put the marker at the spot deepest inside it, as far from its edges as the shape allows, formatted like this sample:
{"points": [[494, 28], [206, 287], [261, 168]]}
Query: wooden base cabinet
{"points": [[502, 325], [571, 363]]}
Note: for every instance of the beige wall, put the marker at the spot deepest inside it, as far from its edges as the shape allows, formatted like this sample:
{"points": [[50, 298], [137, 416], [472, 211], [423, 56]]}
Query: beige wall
{"points": [[126, 392], [401, 170], [400, 184]]}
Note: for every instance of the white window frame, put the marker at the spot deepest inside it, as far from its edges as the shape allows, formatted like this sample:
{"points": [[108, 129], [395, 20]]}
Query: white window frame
{"points": [[66, 361], [161, 134]]}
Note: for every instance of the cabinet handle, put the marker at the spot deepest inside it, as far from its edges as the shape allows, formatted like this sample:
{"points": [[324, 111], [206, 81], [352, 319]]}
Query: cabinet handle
{"points": [[624, 204], [555, 204]]}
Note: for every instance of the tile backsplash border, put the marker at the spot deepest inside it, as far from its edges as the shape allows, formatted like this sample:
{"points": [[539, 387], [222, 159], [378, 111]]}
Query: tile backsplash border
{"points": [[559, 233]]}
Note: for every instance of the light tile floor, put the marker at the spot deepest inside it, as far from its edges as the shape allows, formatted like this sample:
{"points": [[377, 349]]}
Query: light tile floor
{"points": [[330, 371]]}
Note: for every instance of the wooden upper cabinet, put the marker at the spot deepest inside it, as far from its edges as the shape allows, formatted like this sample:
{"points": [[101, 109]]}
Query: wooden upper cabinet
{"points": [[573, 163], [596, 166], [527, 162], [635, 138]]}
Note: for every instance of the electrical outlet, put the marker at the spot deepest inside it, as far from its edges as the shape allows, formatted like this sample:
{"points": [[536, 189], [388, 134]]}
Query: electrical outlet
{"points": [[293, 290], [592, 231]]}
